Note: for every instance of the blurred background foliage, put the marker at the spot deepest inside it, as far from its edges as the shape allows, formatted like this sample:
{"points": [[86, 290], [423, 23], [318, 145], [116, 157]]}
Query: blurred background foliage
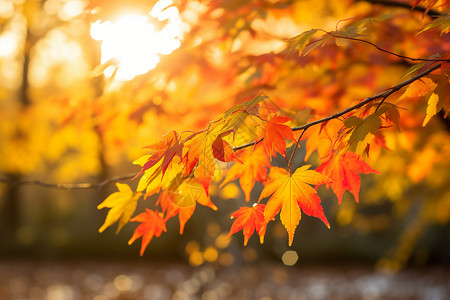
{"points": [[70, 112]]}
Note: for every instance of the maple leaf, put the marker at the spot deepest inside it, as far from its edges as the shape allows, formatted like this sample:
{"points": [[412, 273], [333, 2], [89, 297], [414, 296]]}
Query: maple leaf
{"points": [[439, 98], [292, 192], [253, 168], [413, 69], [362, 131], [432, 108], [344, 170], [242, 120], [248, 219], [181, 198], [152, 181], [222, 150], [153, 224], [393, 115], [200, 155], [442, 21], [275, 133], [122, 203], [171, 210], [166, 150], [320, 138], [419, 88], [246, 106], [302, 40]]}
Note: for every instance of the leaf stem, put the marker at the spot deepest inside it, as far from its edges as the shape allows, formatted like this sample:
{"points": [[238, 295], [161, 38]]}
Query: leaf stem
{"points": [[295, 148]]}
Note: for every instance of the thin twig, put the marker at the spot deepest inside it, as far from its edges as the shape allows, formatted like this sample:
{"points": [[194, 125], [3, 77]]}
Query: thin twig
{"points": [[385, 94], [430, 12], [384, 50], [69, 186]]}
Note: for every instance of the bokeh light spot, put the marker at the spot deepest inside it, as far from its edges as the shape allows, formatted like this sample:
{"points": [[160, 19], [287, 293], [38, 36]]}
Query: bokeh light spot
{"points": [[226, 259], [222, 241], [289, 258], [210, 254], [196, 259], [123, 283]]}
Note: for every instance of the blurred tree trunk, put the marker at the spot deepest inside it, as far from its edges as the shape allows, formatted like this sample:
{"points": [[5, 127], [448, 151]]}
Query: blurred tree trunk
{"points": [[12, 207]]}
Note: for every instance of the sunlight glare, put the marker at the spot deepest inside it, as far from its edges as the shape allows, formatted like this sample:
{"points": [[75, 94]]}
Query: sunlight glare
{"points": [[9, 44], [136, 43]]}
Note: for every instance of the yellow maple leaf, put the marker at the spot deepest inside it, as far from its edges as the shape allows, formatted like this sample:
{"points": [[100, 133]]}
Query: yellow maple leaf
{"points": [[419, 88], [289, 193], [122, 203], [432, 108]]}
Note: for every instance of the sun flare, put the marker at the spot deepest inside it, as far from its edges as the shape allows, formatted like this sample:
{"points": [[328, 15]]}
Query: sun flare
{"points": [[138, 41]]}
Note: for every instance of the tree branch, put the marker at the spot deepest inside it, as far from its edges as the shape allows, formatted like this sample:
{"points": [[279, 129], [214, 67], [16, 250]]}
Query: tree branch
{"points": [[69, 186], [72, 186], [383, 95], [430, 12]]}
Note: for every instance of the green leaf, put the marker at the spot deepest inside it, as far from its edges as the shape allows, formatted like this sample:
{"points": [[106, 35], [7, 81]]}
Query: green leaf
{"points": [[413, 69], [302, 40], [316, 44], [361, 130], [443, 21]]}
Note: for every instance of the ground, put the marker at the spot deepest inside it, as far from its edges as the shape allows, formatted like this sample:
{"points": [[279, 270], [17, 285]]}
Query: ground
{"points": [[267, 281]]}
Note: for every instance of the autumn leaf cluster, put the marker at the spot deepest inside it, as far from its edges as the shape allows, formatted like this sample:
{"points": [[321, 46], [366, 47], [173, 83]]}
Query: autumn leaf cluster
{"points": [[345, 131], [361, 87]]}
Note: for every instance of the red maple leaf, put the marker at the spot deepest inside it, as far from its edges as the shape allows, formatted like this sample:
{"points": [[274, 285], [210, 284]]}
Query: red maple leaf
{"points": [[152, 225], [222, 150], [344, 170], [275, 133], [248, 219]]}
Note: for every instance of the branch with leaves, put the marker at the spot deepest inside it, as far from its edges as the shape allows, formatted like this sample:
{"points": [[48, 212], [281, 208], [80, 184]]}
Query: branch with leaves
{"points": [[183, 165], [243, 141], [383, 95], [90, 185], [182, 168]]}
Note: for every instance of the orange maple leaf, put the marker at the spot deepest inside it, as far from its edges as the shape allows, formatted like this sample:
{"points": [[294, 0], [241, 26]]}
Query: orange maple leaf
{"points": [[152, 225], [254, 168], [248, 219], [344, 170], [182, 200], [320, 138], [290, 192], [275, 133], [166, 150], [171, 210], [201, 154], [419, 88], [222, 150]]}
